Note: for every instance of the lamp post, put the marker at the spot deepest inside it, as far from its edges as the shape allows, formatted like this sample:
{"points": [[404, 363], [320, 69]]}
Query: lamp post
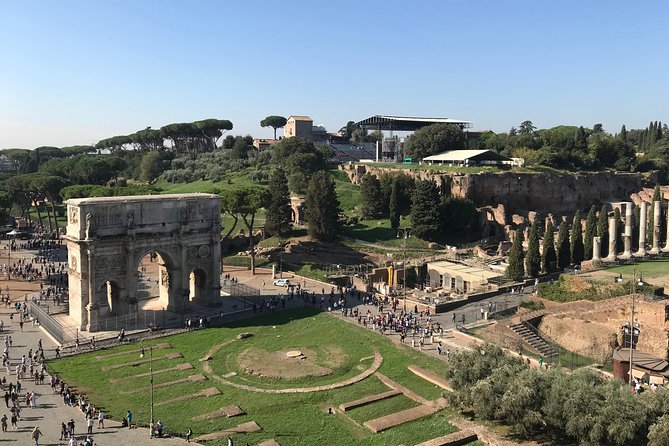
{"points": [[631, 328], [141, 355], [404, 233]]}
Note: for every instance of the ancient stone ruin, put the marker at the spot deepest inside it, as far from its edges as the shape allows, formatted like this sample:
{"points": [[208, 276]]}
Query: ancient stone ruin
{"points": [[108, 237]]}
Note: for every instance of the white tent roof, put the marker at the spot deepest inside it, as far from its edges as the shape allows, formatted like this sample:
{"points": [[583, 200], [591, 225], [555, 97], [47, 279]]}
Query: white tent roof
{"points": [[456, 155]]}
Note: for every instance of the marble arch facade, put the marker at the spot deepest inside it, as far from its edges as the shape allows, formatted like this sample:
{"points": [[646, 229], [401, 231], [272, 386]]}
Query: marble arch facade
{"points": [[107, 237]]}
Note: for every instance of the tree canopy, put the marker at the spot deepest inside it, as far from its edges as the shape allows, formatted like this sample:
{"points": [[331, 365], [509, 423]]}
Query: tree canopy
{"points": [[434, 139], [276, 122]]}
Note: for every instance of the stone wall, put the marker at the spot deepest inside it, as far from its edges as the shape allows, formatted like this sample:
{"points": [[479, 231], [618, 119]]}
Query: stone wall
{"points": [[540, 192], [591, 332]]}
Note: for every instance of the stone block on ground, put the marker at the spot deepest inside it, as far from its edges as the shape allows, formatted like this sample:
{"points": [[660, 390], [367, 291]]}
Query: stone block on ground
{"points": [[243, 428], [368, 399], [454, 439], [227, 411], [269, 443], [395, 419], [430, 377]]}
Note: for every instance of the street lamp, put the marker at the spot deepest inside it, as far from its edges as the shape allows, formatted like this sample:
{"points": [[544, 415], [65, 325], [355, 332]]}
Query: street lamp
{"points": [[631, 328], [141, 355], [404, 233]]}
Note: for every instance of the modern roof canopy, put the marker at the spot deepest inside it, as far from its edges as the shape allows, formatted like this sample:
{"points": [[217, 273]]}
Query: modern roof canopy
{"points": [[406, 123], [459, 156]]}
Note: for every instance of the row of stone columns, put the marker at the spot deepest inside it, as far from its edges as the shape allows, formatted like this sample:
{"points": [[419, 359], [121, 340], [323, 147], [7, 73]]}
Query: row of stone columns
{"points": [[627, 234]]}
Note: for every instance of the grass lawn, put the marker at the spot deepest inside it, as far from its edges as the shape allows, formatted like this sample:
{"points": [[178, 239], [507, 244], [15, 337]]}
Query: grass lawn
{"points": [[648, 268], [347, 192], [291, 419], [380, 232]]}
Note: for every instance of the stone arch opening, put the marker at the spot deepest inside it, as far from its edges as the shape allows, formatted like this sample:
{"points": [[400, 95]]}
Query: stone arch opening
{"points": [[154, 273], [198, 285]]}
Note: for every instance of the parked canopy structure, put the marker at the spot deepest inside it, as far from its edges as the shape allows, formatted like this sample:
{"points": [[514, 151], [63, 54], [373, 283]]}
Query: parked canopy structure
{"points": [[405, 123]]}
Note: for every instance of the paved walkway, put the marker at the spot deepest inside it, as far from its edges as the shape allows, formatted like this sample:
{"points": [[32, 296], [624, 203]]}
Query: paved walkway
{"points": [[51, 411]]}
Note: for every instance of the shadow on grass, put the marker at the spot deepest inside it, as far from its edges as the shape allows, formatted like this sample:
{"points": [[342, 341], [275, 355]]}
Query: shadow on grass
{"points": [[274, 318]]}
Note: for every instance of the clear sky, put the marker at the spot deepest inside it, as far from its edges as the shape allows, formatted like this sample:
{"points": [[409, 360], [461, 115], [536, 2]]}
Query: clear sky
{"points": [[74, 72]]}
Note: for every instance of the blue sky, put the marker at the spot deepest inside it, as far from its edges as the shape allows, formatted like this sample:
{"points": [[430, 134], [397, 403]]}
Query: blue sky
{"points": [[74, 72]]}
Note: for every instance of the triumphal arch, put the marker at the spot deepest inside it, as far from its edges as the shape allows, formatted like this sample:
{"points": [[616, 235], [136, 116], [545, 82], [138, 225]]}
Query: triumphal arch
{"points": [[108, 237]]}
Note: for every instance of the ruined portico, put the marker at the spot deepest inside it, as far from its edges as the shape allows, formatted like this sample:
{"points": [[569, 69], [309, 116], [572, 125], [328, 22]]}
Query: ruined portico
{"points": [[108, 237]]}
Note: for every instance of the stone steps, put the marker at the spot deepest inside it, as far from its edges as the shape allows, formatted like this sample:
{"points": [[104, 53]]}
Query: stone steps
{"points": [[533, 339]]}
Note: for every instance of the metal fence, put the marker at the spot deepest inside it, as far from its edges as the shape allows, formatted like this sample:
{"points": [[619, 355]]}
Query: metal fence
{"points": [[238, 289], [48, 322]]}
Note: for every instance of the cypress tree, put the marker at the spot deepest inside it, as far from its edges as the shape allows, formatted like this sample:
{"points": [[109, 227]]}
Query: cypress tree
{"points": [[322, 207], [549, 255], [277, 220], [425, 210], [533, 259], [619, 241], [372, 197], [602, 229], [623, 133], [576, 240], [563, 253], [516, 268], [394, 205], [590, 231]]}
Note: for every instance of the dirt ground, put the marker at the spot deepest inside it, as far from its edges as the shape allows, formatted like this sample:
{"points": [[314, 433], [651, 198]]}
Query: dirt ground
{"points": [[257, 361]]}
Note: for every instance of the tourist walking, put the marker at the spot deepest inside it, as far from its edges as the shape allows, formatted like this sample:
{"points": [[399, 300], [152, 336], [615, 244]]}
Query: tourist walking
{"points": [[35, 435]]}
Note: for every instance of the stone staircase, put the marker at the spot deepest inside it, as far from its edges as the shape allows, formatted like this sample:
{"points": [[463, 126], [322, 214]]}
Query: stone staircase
{"points": [[530, 335]]}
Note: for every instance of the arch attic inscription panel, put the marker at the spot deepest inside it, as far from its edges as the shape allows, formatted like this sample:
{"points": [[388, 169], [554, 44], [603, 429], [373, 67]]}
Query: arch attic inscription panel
{"points": [[108, 237]]}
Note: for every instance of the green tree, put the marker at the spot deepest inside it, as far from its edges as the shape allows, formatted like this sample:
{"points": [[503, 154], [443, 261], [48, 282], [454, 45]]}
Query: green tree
{"points": [[516, 268], [322, 208], [576, 240], [549, 255], [563, 251], [602, 230], [245, 202], [590, 232], [425, 213], [152, 166], [618, 220], [276, 122], [240, 149], [623, 134], [277, 219], [533, 259], [434, 139], [394, 205], [658, 434], [298, 156], [372, 197], [375, 136], [526, 128], [459, 220]]}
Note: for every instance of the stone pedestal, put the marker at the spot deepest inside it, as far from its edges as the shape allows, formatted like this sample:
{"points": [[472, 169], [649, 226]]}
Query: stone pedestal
{"points": [[666, 244], [643, 222], [657, 215]]}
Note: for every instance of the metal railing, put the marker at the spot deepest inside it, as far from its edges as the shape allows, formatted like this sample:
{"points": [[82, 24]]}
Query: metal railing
{"points": [[48, 322], [238, 289]]}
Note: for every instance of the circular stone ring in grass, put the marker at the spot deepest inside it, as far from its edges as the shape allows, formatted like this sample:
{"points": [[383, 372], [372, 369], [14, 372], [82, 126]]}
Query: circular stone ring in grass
{"points": [[206, 365]]}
